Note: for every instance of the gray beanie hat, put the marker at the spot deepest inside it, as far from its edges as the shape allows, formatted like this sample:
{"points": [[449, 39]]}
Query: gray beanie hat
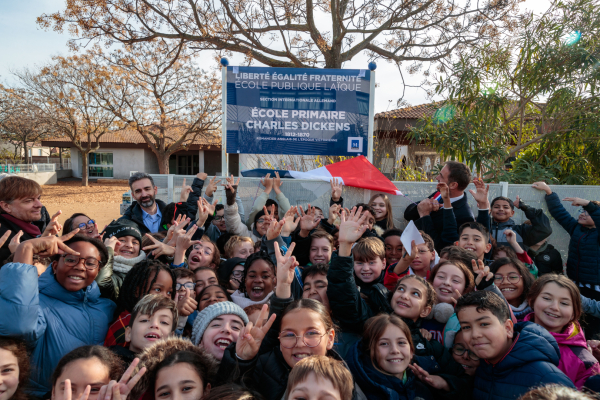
{"points": [[211, 312]]}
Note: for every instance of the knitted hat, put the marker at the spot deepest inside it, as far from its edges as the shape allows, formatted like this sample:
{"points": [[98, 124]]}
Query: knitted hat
{"points": [[211, 312], [226, 268], [123, 227]]}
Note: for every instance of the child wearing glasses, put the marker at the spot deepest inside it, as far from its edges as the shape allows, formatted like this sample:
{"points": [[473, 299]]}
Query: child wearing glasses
{"points": [[123, 241], [64, 299], [186, 295], [153, 318], [514, 280], [85, 224], [266, 352], [462, 355], [557, 307]]}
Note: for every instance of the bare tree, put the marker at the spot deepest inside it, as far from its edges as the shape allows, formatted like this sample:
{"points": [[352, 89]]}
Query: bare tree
{"points": [[68, 105], [292, 33], [155, 89], [21, 120]]}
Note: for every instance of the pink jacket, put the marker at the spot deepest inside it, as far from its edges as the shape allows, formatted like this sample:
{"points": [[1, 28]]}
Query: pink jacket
{"points": [[576, 361]]}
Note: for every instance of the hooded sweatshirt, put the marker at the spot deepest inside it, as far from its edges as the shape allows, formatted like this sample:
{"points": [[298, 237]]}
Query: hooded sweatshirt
{"points": [[576, 361], [531, 361]]}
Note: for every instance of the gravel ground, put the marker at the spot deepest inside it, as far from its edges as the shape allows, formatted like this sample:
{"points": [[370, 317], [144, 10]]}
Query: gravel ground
{"points": [[99, 201]]}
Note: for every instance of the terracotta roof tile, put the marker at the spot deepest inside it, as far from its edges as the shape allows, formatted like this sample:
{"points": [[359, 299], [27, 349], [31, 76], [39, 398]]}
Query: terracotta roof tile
{"points": [[414, 112], [133, 137]]}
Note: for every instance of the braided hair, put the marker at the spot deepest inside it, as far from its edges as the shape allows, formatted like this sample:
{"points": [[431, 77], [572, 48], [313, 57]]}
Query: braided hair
{"points": [[138, 281], [259, 255]]}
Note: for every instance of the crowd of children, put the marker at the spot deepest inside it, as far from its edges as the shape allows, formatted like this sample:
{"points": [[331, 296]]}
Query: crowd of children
{"points": [[192, 300]]}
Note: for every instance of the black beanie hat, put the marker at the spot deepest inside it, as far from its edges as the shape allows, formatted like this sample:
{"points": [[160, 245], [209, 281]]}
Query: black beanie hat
{"points": [[226, 268], [123, 227]]}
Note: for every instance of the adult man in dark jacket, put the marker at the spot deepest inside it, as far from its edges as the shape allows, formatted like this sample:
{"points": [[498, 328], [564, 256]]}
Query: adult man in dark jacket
{"points": [[457, 176], [146, 211], [20, 210]]}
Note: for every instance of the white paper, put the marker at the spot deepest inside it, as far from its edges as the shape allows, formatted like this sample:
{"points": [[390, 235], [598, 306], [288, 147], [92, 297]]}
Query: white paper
{"points": [[411, 233]]}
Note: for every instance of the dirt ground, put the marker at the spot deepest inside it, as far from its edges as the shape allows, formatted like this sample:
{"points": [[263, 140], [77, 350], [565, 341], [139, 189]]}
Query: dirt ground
{"points": [[99, 201]]}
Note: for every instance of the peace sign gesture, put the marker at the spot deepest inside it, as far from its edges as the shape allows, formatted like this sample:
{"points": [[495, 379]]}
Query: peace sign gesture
{"points": [[158, 248], [185, 192], [212, 186], [482, 271], [54, 227], [120, 390], [252, 335], [68, 394], [45, 247], [232, 184], [286, 269]]}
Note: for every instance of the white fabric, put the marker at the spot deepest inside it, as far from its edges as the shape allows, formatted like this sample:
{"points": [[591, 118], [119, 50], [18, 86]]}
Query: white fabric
{"points": [[122, 264], [241, 300]]}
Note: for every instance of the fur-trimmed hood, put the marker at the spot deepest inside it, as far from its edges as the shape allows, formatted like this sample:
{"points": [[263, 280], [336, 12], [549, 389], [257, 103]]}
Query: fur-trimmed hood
{"points": [[155, 354]]}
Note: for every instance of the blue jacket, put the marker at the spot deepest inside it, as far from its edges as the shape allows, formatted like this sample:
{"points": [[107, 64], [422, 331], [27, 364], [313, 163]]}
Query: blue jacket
{"points": [[532, 361], [51, 320], [583, 262], [379, 386]]}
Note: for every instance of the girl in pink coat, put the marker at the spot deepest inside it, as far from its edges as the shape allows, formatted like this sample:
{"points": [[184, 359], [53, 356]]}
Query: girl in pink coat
{"points": [[556, 305]]}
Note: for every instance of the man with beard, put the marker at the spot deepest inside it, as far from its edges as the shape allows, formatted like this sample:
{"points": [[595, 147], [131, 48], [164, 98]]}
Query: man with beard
{"points": [[146, 211], [21, 213]]}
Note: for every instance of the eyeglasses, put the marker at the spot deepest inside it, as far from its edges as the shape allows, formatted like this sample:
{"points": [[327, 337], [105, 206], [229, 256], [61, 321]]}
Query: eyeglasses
{"points": [[187, 285], [91, 222], [261, 221], [311, 339], [460, 350], [219, 218], [510, 278], [583, 212], [90, 263], [237, 274]]}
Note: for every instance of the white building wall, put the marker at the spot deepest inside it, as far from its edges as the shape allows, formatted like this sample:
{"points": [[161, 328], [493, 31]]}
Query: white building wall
{"points": [[150, 163], [127, 160], [76, 162]]}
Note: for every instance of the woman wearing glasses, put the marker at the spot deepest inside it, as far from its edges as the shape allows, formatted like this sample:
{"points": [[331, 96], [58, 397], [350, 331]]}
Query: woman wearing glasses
{"points": [[514, 280], [60, 311]]}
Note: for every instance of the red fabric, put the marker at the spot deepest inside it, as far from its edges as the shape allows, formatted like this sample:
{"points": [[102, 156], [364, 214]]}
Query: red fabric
{"points": [[390, 279], [359, 172], [116, 332], [524, 258], [27, 227]]}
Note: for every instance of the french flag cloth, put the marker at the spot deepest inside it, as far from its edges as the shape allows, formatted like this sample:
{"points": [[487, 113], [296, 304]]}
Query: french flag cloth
{"points": [[356, 172]]}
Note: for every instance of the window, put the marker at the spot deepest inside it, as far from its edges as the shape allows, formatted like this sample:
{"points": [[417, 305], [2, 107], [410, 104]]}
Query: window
{"points": [[100, 165], [40, 151]]}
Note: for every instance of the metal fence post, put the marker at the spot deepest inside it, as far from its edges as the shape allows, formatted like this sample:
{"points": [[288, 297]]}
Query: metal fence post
{"points": [[170, 187], [504, 186]]}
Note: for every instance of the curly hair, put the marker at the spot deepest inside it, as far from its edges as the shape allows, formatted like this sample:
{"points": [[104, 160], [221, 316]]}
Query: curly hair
{"points": [[19, 350], [260, 255]]}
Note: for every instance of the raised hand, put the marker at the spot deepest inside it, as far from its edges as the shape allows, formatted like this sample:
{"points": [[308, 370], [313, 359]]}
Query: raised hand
{"points": [[212, 186], [277, 183], [158, 248], [481, 271], [184, 239], [351, 229], [444, 190], [252, 335], [334, 213], [46, 246], [69, 393], [14, 242], [481, 193], [5, 237], [202, 176], [286, 265], [542, 186], [232, 184], [511, 236], [267, 183], [274, 228], [54, 227], [185, 192], [577, 202], [111, 242], [432, 380], [291, 220], [120, 390], [425, 207], [187, 304], [517, 202], [336, 189], [308, 220], [179, 229]]}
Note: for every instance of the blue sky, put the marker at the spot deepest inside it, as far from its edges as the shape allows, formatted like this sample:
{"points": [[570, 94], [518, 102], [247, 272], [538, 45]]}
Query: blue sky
{"points": [[24, 44]]}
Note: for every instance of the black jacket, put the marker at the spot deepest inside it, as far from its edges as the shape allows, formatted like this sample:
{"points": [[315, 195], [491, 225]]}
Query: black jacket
{"points": [[547, 259], [352, 307], [134, 213], [268, 372], [527, 235], [462, 214], [6, 225]]}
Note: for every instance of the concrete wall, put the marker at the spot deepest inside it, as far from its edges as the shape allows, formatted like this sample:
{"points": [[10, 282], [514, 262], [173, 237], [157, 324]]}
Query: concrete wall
{"points": [[43, 178], [150, 163], [64, 173]]}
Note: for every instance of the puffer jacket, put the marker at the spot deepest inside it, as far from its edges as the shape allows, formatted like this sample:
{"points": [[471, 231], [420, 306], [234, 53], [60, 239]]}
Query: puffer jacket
{"points": [[583, 262], [111, 276], [527, 235], [576, 361], [52, 320], [532, 361], [379, 386]]}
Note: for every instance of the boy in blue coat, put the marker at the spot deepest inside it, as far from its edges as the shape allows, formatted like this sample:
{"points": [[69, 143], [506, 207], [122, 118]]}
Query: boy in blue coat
{"points": [[513, 358], [62, 310]]}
